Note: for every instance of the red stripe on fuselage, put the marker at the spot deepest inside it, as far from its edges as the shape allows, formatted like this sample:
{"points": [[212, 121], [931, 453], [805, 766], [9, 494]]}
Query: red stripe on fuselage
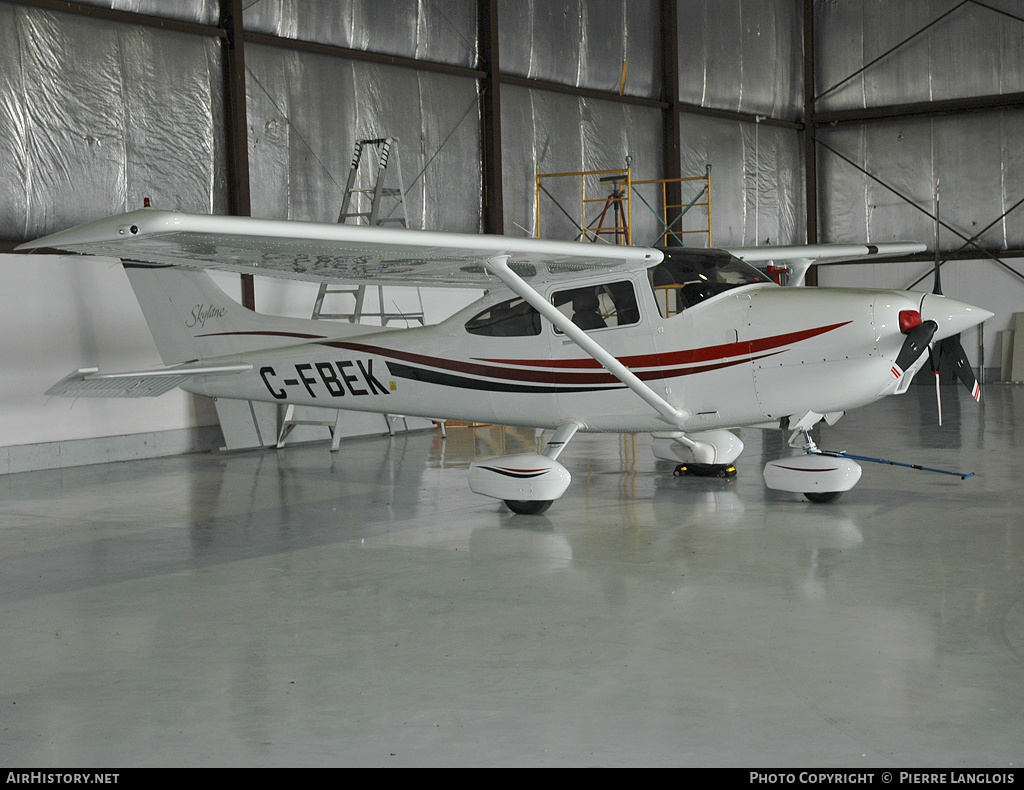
{"points": [[669, 365], [685, 357]]}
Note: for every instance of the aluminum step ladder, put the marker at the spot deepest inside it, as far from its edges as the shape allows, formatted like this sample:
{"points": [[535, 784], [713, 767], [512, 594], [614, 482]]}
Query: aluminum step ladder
{"points": [[379, 196], [387, 152]]}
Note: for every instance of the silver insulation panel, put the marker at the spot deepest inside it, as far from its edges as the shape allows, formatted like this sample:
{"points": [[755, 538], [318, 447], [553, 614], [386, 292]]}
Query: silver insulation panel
{"points": [[583, 43], [203, 12], [443, 31], [743, 55], [95, 115], [978, 158], [971, 50], [306, 112], [554, 133], [979, 163]]}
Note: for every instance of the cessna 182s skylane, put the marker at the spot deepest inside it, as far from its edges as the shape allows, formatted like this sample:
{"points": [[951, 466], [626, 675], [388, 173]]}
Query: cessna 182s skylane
{"points": [[684, 343]]}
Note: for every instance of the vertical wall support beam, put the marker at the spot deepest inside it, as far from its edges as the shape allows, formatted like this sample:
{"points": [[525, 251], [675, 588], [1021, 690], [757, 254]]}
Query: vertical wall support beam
{"points": [[490, 116], [236, 137], [671, 135], [810, 152]]}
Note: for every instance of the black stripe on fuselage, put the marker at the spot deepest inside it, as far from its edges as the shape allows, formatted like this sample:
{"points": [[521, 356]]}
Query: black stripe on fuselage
{"points": [[402, 371]]}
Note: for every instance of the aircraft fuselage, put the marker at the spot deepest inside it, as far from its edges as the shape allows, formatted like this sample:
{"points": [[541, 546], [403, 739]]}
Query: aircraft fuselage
{"points": [[753, 354]]}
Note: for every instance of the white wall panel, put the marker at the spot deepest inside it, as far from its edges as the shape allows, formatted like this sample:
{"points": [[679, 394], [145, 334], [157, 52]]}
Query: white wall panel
{"points": [[58, 314]]}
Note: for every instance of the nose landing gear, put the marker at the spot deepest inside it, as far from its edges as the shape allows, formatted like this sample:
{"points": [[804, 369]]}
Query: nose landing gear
{"points": [[820, 478]]}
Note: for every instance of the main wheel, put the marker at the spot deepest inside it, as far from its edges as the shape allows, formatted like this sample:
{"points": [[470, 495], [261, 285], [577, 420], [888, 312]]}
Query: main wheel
{"points": [[705, 470], [526, 507], [821, 497]]}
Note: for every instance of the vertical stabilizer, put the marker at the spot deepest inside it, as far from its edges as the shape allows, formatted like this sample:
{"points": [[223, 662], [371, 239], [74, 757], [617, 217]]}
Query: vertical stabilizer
{"points": [[191, 318]]}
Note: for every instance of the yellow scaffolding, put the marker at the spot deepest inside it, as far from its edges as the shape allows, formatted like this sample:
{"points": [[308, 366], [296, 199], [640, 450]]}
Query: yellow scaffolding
{"points": [[617, 201], [669, 210]]}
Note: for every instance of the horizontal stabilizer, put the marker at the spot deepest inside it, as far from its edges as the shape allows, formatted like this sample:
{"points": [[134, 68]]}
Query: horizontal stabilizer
{"points": [[90, 383]]}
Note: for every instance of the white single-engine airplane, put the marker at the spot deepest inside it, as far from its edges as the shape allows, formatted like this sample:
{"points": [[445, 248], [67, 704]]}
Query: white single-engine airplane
{"points": [[684, 343]]}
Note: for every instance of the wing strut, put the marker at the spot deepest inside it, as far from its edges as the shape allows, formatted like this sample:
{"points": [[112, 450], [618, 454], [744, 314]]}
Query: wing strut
{"points": [[499, 265]]}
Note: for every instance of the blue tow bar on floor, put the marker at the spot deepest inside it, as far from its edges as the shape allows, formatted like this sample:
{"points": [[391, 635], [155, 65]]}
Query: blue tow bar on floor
{"points": [[844, 454]]}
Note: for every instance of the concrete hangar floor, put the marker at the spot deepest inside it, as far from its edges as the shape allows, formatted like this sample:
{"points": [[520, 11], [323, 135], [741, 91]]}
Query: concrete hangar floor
{"points": [[300, 607]]}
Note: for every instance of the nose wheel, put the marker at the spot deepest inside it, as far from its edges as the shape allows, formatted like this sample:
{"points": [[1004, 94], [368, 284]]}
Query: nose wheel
{"points": [[819, 477], [823, 497]]}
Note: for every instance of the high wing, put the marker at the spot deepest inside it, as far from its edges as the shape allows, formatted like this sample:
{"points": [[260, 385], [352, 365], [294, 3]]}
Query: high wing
{"points": [[318, 252], [352, 254], [800, 258]]}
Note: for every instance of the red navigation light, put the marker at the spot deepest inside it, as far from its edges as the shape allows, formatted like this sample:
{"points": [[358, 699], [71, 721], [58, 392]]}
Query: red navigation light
{"points": [[909, 319]]}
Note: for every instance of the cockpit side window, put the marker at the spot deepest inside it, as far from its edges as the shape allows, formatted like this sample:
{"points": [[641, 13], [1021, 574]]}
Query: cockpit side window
{"points": [[511, 318], [599, 306], [687, 277]]}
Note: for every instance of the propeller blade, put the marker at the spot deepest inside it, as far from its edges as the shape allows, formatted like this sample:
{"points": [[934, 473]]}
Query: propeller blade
{"points": [[933, 358], [952, 350], [915, 345], [949, 347], [937, 285]]}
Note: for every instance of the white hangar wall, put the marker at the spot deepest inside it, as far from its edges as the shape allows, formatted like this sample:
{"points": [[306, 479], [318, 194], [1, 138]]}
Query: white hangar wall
{"points": [[97, 114]]}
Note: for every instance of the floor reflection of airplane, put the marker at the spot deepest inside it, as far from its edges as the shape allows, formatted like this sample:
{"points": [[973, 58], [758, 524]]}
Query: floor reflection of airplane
{"points": [[569, 337]]}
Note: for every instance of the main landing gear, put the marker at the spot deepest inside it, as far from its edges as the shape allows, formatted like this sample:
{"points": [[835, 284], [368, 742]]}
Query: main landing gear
{"points": [[525, 507], [705, 470], [527, 482]]}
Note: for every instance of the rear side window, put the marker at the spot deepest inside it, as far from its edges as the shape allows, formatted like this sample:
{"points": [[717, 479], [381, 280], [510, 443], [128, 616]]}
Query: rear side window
{"points": [[599, 306], [512, 318]]}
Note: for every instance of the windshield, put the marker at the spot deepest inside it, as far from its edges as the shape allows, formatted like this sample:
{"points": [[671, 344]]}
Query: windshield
{"points": [[687, 277]]}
